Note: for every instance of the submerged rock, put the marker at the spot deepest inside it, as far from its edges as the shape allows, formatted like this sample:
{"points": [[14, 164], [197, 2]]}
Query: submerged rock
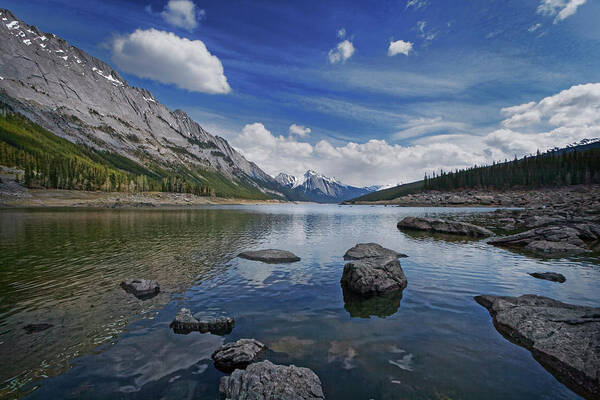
{"points": [[564, 338], [266, 381], [238, 355], [551, 240], [549, 276], [443, 226], [35, 328], [361, 306], [270, 256], [185, 323], [141, 288], [372, 270]]}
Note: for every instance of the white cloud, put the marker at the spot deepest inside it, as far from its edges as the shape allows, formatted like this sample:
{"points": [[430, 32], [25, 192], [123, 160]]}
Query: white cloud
{"points": [[534, 28], [168, 58], [557, 120], [299, 130], [427, 35], [421, 126], [561, 8], [341, 33], [343, 51], [182, 13], [416, 4], [399, 47]]}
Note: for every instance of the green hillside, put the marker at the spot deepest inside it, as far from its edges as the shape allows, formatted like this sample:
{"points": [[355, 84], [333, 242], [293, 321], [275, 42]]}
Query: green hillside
{"points": [[50, 161], [559, 167]]}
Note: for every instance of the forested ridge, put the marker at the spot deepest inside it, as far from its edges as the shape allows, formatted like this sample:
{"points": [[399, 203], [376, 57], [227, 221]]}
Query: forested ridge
{"points": [[49, 161], [557, 167]]}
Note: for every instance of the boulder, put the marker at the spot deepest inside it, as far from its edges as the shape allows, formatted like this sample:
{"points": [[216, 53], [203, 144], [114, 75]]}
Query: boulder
{"points": [[185, 323], [266, 381], [238, 355], [273, 256], [564, 338], [549, 240], [141, 288], [549, 276], [443, 226], [35, 328], [372, 270]]}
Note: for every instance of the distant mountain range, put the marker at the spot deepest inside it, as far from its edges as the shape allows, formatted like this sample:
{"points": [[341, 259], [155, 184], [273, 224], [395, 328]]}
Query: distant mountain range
{"points": [[79, 98], [319, 188]]}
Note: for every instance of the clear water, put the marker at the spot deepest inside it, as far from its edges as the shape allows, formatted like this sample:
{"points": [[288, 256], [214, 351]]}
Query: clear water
{"points": [[63, 267]]}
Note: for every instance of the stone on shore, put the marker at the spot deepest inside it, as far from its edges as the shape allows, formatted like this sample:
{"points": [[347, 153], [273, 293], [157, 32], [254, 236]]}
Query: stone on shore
{"points": [[238, 355], [185, 323], [564, 338], [272, 256], [549, 276], [443, 226], [141, 288], [552, 240], [266, 381], [372, 270]]}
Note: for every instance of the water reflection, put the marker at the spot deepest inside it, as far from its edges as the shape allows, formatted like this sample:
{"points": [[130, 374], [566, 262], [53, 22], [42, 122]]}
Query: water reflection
{"points": [[361, 306]]}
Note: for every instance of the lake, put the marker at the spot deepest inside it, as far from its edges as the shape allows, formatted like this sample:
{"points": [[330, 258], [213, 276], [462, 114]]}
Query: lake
{"points": [[63, 267]]}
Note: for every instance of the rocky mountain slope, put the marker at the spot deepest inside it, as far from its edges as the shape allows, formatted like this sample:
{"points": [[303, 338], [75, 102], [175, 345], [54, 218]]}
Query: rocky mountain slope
{"points": [[84, 100], [319, 188]]}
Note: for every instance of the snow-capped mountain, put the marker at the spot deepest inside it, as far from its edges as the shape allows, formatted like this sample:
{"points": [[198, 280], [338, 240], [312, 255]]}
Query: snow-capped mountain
{"points": [[313, 186], [84, 100]]}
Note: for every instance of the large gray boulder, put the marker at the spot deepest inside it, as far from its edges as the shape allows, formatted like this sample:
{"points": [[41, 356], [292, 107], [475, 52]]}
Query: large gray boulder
{"points": [[141, 288], [564, 338], [238, 355], [551, 240], [372, 270], [443, 226], [267, 381], [185, 323], [272, 256]]}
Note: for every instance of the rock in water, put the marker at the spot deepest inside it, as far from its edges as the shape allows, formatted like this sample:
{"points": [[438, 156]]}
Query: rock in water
{"points": [[273, 256], [266, 381], [141, 288], [549, 276], [238, 355], [35, 328], [551, 240], [443, 226], [564, 338], [372, 270], [185, 323]]}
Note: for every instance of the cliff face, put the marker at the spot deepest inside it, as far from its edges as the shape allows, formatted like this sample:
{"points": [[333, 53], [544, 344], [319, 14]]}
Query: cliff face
{"points": [[84, 100]]}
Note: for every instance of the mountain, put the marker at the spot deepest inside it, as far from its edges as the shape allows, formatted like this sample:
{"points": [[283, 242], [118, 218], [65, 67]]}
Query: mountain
{"points": [[571, 165], [77, 97], [318, 188]]}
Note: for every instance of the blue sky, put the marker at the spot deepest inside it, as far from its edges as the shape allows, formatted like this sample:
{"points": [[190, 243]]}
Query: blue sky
{"points": [[445, 99]]}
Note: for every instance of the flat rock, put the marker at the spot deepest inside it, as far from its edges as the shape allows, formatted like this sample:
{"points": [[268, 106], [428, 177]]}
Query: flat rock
{"points": [[443, 226], [372, 270], [549, 276], [238, 355], [185, 323], [549, 240], [35, 328], [564, 338], [141, 288], [267, 381], [270, 256]]}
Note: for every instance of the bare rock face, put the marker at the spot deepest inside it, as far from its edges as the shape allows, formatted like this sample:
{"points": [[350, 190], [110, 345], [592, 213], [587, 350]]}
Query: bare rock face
{"points": [[238, 355], [549, 276], [372, 270], [564, 338], [552, 240], [141, 288], [185, 323], [267, 381], [271, 256], [443, 226]]}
